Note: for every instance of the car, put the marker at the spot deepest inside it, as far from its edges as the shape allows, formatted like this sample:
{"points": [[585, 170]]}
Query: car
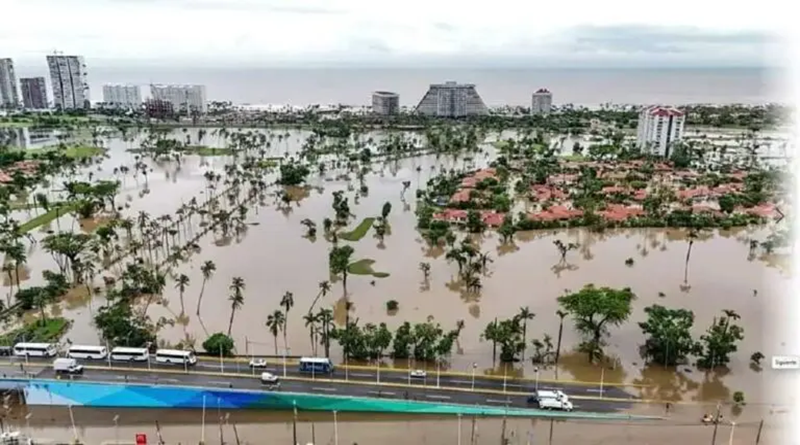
{"points": [[269, 378], [258, 363], [418, 374]]}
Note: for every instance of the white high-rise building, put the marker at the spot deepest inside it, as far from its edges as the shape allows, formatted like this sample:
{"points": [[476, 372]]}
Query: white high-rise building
{"points": [[9, 97], [122, 96], [451, 99], [184, 98], [385, 103], [69, 81], [541, 101], [659, 128]]}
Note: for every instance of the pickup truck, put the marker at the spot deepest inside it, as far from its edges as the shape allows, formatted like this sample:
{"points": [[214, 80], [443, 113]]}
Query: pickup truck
{"points": [[67, 366]]}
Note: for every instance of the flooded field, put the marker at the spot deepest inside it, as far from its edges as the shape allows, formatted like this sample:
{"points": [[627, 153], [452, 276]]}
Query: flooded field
{"points": [[274, 257], [96, 426]]}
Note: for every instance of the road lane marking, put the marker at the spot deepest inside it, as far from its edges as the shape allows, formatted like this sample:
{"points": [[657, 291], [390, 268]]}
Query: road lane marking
{"points": [[382, 393], [324, 389], [437, 396], [460, 381], [353, 374], [157, 378], [217, 382], [504, 402]]}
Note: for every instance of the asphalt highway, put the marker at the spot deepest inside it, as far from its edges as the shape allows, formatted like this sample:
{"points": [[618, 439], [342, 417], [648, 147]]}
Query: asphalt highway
{"points": [[352, 388], [395, 377]]}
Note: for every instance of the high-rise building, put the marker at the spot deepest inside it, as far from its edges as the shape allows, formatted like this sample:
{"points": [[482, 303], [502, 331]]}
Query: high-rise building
{"points": [[9, 98], [69, 81], [34, 93], [158, 109], [541, 101], [184, 98], [122, 96], [385, 103], [658, 129], [451, 99]]}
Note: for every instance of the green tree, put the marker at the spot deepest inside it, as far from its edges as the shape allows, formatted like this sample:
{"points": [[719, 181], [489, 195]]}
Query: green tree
{"points": [[669, 335], [525, 314], [207, 269], [181, 283], [719, 341], [507, 229], [594, 309], [287, 303], [219, 344], [475, 223], [508, 335], [386, 209]]}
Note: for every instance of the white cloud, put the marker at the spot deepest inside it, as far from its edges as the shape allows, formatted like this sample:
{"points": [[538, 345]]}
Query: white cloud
{"points": [[263, 30]]}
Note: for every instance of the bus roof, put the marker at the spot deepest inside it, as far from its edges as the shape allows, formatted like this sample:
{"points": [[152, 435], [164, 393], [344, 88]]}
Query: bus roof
{"points": [[174, 351], [35, 345], [86, 347], [315, 360], [124, 349]]}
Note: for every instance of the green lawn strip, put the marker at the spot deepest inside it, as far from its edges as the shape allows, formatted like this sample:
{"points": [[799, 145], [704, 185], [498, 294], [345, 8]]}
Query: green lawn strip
{"points": [[359, 232], [37, 332], [364, 267], [75, 151], [44, 218]]}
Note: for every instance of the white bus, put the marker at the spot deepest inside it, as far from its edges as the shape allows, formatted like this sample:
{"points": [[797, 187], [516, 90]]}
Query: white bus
{"points": [[123, 354], [87, 352], [35, 349], [175, 356]]}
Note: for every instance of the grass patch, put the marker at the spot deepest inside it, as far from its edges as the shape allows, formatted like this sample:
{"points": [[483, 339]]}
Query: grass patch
{"points": [[47, 217], [74, 152], [359, 232], [575, 158], [49, 331], [364, 267]]}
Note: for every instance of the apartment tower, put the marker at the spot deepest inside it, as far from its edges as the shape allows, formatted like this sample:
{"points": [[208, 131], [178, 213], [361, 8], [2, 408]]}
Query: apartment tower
{"points": [[34, 93], [658, 128], [451, 99], [9, 98], [69, 81]]}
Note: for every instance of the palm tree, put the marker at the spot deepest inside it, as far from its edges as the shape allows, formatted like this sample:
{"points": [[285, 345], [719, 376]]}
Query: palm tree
{"points": [[311, 323], [287, 302], [525, 314], [275, 324], [208, 268], [181, 283], [237, 298], [561, 314], [325, 317], [324, 288]]}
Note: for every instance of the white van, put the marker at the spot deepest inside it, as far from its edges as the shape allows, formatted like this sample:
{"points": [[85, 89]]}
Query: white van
{"points": [[547, 403], [556, 394], [87, 352], [268, 378], [67, 366]]}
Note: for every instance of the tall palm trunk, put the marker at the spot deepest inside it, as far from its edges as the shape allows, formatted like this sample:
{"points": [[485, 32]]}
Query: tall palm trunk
{"points": [[230, 322], [200, 298]]}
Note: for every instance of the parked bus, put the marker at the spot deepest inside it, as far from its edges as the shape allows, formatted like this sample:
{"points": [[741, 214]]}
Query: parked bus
{"points": [[35, 349], [123, 354], [175, 357], [320, 365], [87, 352]]}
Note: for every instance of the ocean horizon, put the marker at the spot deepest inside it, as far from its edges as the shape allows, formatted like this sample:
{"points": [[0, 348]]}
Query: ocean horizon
{"points": [[350, 86]]}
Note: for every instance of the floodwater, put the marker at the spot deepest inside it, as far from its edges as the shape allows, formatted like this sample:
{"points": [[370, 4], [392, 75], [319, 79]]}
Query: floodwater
{"points": [[96, 426], [274, 257]]}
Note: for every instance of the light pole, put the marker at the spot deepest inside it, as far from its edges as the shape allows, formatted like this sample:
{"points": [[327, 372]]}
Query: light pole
{"points": [[378, 369], [602, 377], [474, 366], [733, 428], [72, 420], [28, 424], [438, 371], [284, 362], [335, 430], [536, 373], [505, 377], [459, 428], [116, 429]]}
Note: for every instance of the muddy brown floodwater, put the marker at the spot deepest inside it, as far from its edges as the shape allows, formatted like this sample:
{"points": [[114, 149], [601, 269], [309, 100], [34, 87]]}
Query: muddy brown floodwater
{"points": [[274, 257]]}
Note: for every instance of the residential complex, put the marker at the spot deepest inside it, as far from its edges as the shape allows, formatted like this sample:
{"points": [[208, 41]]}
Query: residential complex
{"points": [[34, 93], [184, 98], [385, 103], [541, 101], [659, 128], [69, 81], [122, 96], [9, 98], [158, 108], [451, 99]]}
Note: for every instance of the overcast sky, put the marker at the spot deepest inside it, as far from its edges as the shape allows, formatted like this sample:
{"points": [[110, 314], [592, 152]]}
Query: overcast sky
{"points": [[384, 32]]}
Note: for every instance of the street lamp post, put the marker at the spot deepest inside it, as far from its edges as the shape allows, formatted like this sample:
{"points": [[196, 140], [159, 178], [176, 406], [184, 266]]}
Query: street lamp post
{"points": [[474, 366], [438, 371], [733, 428], [28, 424], [505, 378], [116, 429], [536, 373], [335, 429], [284, 362]]}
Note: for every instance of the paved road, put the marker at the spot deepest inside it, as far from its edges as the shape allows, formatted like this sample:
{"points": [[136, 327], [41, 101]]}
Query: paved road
{"points": [[480, 382], [389, 391]]}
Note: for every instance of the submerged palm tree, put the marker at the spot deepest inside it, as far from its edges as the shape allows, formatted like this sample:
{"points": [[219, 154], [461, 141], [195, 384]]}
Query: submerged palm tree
{"points": [[181, 283], [237, 299], [208, 268], [275, 324], [287, 302]]}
